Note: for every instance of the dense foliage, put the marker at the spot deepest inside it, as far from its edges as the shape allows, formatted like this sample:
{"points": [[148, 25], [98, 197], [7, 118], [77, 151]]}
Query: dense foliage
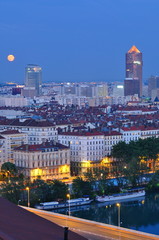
{"points": [[134, 157], [39, 191]]}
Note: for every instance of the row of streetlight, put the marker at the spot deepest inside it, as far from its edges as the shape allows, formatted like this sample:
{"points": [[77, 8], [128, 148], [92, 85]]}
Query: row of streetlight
{"points": [[69, 212], [28, 190], [68, 196]]}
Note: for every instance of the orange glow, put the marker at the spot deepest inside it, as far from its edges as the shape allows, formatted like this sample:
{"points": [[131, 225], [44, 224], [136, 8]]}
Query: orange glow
{"points": [[134, 49], [64, 169], [36, 172], [10, 58], [105, 160]]}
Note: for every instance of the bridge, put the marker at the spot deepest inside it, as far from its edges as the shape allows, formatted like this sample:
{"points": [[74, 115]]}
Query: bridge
{"points": [[93, 230]]}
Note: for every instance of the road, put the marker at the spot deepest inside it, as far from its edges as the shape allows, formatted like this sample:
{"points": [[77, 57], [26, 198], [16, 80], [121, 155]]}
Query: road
{"points": [[93, 230]]}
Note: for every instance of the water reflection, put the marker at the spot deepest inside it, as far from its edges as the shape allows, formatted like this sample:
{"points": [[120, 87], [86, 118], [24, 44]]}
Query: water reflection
{"points": [[140, 214]]}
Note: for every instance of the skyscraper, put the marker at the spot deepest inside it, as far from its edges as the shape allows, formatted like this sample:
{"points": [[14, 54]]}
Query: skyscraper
{"points": [[133, 80], [33, 78], [153, 87]]}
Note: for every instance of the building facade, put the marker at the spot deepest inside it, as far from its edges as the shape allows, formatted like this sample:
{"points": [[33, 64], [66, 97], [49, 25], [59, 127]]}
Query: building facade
{"points": [[153, 87], [37, 131], [111, 138], [84, 148], [3, 152], [13, 139], [48, 161]]}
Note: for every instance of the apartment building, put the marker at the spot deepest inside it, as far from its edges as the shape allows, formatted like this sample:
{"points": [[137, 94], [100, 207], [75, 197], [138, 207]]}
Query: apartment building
{"points": [[48, 160], [13, 139], [3, 152], [130, 134], [111, 138], [84, 147], [149, 132], [37, 131]]}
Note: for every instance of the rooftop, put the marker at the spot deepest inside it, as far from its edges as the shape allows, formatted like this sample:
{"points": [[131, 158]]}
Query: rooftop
{"points": [[113, 133], [17, 223], [40, 147], [82, 134], [8, 132]]}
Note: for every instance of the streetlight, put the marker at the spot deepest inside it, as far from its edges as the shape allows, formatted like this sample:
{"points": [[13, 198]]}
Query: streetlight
{"points": [[66, 228], [118, 205], [68, 196], [27, 188]]}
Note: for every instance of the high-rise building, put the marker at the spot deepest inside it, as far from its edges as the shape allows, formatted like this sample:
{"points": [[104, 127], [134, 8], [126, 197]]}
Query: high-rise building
{"points": [[153, 87], [33, 78], [133, 81]]}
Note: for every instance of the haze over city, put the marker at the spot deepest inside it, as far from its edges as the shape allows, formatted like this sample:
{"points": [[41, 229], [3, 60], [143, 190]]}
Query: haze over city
{"points": [[82, 40]]}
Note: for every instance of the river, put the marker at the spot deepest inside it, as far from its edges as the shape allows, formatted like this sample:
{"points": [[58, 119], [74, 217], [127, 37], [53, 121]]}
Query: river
{"points": [[141, 214]]}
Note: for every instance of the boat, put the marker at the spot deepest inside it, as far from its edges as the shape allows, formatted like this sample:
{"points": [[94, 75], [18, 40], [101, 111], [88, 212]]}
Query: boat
{"points": [[67, 204], [125, 202], [130, 194]]}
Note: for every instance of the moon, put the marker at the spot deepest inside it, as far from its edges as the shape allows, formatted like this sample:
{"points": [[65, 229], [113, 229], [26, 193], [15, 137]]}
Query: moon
{"points": [[10, 58]]}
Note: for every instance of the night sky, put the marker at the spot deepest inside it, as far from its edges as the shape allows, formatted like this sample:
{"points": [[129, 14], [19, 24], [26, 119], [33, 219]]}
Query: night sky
{"points": [[77, 40]]}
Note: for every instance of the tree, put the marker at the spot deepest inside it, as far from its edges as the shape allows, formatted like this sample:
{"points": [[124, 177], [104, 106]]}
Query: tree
{"points": [[153, 184], [118, 173], [9, 169], [152, 150], [121, 151], [59, 190], [133, 171], [39, 192], [12, 190], [81, 188]]}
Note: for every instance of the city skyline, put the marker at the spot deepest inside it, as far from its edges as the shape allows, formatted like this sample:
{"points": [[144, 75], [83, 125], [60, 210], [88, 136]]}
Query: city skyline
{"points": [[77, 41]]}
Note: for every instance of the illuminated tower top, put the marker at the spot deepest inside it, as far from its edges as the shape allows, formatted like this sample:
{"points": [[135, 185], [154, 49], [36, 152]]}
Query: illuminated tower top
{"points": [[134, 49]]}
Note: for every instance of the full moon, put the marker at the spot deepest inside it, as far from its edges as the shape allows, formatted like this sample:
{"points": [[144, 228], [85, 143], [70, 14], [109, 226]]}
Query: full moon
{"points": [[10, 58]]}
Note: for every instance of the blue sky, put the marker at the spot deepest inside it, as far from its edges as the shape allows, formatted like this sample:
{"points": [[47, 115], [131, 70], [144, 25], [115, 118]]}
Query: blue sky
{"points": [[77, 40]]}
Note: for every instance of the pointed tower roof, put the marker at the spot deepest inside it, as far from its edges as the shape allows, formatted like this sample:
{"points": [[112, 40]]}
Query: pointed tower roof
{"points": [[134, 49], [156, 99]]}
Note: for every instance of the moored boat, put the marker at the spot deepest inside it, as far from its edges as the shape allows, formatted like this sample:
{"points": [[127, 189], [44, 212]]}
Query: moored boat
{"points": [[130, 194], [68, 203]]}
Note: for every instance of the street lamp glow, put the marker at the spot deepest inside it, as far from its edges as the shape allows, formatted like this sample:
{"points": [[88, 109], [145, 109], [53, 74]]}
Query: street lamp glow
{"points": [[68, 196], [27, 188], [118, 205]]}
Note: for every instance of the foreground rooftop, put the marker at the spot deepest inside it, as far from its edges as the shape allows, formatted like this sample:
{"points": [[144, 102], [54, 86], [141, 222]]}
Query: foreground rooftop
{"points": [[17, 223]]}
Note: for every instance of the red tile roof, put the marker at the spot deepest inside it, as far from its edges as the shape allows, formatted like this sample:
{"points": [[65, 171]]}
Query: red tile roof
{"points": [[27, 123], [131, 129], [40, 147], [82, 134], [113, 133], [8, 132]]}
